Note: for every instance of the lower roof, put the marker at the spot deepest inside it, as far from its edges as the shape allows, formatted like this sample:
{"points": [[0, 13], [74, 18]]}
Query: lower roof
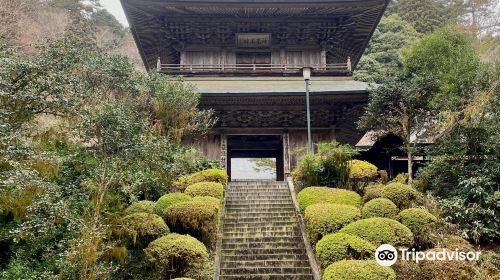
{"points": [[277, 85]]}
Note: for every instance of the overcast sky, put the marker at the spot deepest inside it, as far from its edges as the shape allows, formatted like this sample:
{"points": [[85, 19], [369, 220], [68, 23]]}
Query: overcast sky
{"points": [[115, 8]]}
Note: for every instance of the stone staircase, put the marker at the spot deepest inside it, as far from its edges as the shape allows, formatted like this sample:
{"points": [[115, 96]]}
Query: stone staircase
{"points": [[261, 237]]}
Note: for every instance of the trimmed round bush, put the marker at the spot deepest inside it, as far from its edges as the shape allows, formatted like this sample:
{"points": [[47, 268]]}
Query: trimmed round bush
{"points": [[209, 175], [208, 199], [453, 242], [168, 201], [362, 170], [206, 189], [313, 195], [372, 192], [183, 278], [142, 228], [445, 269], [380, 207], [381, 231], [358, 270], [338, 246], [175, 250], [198, 218], [325, 218], [143, 206], [401, 194], [418, 220]]}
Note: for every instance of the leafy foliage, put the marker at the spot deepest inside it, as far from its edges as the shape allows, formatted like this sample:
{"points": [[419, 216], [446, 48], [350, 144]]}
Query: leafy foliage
{"points": [[380, 207], [358, 270], [142, 228], [382, 57], [314, 195], [401, 194], [206, 189], [420, 222], [325, 218], [381, 231], [197, 218], [180, 252], [328, 167], [336, 247]]}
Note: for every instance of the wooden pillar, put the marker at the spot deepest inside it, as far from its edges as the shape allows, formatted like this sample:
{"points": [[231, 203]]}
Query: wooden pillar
{"points": [[323, 57], [223, 150], [286, 154]]}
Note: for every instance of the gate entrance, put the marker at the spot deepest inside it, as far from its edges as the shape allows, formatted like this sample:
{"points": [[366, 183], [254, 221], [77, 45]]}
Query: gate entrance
{"points": [[256, 147]]}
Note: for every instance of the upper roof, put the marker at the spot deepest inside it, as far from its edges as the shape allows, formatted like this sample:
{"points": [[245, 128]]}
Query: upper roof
{"points": [[344, 27]]}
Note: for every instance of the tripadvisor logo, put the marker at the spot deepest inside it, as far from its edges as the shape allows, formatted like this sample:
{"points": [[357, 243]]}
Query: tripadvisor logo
{"points": [[387, 255]]}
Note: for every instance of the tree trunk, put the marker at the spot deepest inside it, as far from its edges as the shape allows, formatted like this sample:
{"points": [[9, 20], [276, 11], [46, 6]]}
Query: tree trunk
{"points": [[410, 166]]}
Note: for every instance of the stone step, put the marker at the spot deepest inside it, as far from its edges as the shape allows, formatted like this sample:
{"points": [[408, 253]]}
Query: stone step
{"points": [[230, 244], [235, 196], [277, 239], [297, 250], [257, 223], [245, 202], [266, 270], [265, 263], [247, 234], [268, 277], [267, 221], [265, 206], [239, 214], [299, 256], [260, 229]]}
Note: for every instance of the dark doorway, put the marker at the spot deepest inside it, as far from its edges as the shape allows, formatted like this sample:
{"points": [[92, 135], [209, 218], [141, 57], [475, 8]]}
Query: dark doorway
{"points": [[256, 147]]}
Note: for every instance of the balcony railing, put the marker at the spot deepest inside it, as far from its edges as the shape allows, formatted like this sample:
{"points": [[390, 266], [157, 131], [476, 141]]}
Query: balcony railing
{"points": [[337, 69]]}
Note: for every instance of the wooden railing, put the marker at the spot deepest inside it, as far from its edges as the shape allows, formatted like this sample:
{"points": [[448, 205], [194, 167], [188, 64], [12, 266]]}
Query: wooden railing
{"points": [[276, 69]]}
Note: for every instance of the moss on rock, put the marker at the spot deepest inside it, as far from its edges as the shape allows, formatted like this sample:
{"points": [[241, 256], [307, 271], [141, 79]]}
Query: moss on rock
{"points": [[380, 207], [336, 247], [325, 218], [381, 231], [358, 270], [206, 189], [313, 195]]}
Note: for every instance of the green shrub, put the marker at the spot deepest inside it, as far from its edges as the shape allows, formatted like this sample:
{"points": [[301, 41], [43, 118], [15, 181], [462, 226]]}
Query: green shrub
{"points": [[358, 270], [329, 166], [168, 201], [362, 170], [142, 228], [313, 195], [208, 199], [209, 175], [381, 231], [372, 192], [183, 278], [380, 207], [206, 189], [420, 222], [198, 218], [446, 270], [325, 218], [401, 178], [453, 242], [143, 206], [177, 252], [336, 247], [402, 195]]}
